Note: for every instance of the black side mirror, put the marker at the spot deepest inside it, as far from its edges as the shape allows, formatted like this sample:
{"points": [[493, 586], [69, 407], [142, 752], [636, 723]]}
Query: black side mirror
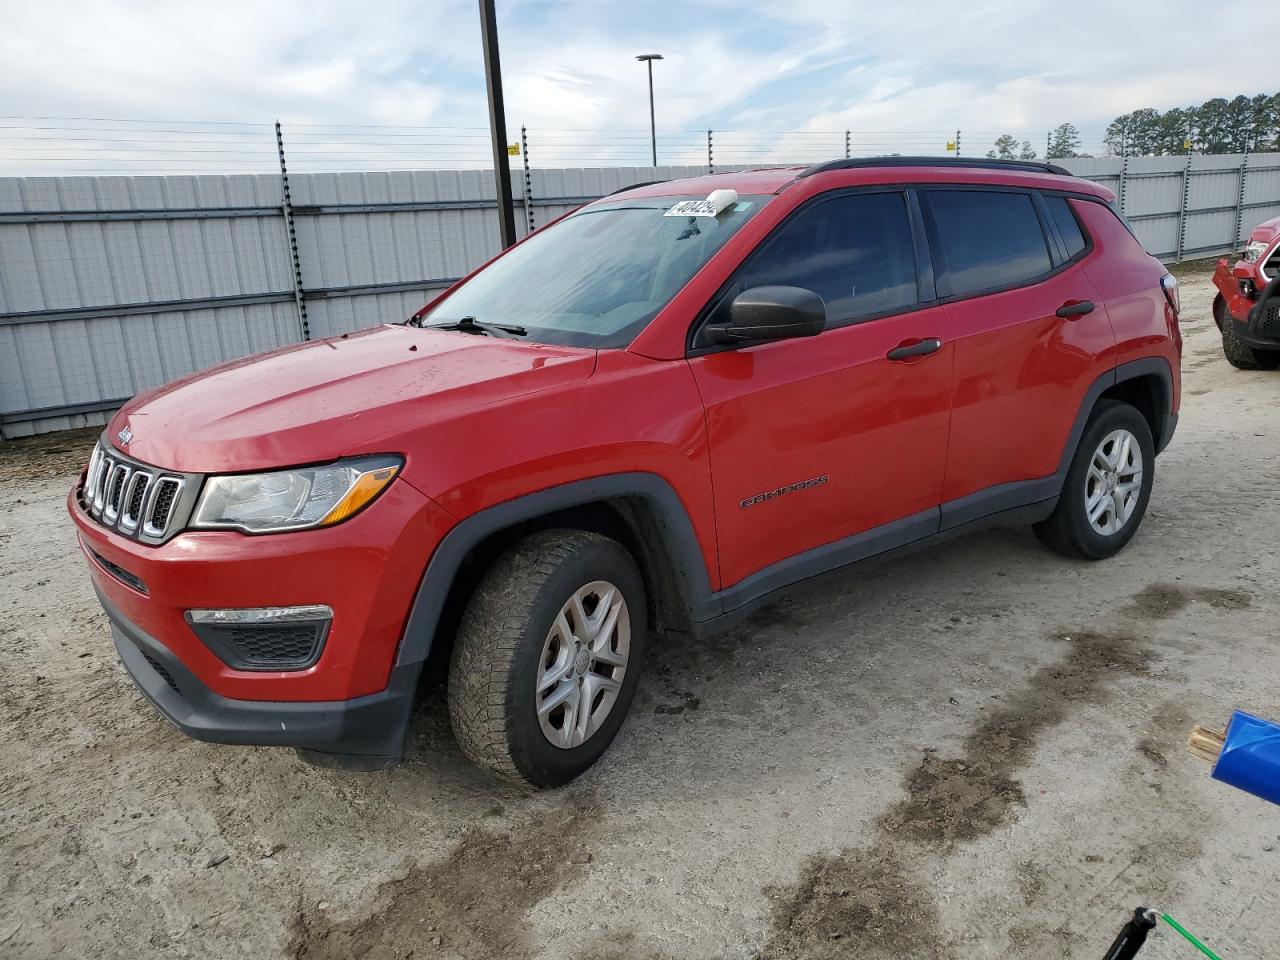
{"points": [[770, 313], [1269, 299]]}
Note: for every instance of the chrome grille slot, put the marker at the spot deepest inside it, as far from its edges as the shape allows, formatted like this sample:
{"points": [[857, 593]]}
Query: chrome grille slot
{"points": [[91, 477], [161, 508], [135, 500], [139, 501], [117, 480], [100, 484]]}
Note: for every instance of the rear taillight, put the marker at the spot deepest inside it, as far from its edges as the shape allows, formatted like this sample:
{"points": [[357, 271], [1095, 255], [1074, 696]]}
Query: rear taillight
{"points": [[1170, 287]]}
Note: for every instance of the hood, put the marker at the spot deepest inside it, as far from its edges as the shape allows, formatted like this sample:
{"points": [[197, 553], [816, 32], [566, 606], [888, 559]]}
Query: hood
{"points": [[319, 400], [1266, 231]]}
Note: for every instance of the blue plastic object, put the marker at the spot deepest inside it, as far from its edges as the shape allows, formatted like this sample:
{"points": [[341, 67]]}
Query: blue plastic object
{"points": [[1250, 758]]}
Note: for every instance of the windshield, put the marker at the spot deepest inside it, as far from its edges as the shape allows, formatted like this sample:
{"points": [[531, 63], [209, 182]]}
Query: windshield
{"points": [[596, 278]]}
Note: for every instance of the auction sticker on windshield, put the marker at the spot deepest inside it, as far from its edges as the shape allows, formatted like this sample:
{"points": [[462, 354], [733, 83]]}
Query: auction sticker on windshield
{"points": [[716, 201]]}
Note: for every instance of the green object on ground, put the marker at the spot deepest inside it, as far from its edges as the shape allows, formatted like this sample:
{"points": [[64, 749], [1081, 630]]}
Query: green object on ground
{"points": [[1191, 938]]}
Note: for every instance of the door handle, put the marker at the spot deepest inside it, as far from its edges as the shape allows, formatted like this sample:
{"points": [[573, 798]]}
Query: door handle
{"points": [[1075, 308], [921, 348]]}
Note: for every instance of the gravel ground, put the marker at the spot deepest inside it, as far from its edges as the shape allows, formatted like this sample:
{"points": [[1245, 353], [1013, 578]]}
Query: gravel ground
{"points": [[974, 752]]}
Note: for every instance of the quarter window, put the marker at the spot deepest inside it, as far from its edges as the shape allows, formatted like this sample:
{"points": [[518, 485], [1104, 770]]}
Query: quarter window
{"points": [[854, 251], [1067, 225], [988, 240]]}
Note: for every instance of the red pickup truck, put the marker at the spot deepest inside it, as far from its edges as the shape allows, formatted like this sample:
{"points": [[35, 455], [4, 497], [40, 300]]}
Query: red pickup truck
{"points": [[653, 414], [1250, 336]]}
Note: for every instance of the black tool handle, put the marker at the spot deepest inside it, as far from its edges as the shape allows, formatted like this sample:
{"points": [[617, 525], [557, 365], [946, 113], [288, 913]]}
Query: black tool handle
{"points": [[1133, 936]]}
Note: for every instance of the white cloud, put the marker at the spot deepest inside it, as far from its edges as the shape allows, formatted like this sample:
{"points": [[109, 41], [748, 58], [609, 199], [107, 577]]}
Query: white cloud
{"points": [[872, 67]]}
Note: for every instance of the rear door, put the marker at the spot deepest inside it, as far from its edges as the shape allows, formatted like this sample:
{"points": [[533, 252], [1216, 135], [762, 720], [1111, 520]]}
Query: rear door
{"points": [[1007, 261], [818, 439]]}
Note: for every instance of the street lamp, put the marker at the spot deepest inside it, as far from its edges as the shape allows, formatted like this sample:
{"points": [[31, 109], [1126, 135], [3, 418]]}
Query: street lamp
{"points": [[648, 59]]}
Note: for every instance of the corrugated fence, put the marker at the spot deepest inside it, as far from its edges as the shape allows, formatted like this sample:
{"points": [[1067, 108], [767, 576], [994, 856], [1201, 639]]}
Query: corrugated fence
{"points": [[113, 285]]}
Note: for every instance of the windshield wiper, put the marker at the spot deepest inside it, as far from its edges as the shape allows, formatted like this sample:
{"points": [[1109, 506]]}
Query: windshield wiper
{"points": [[472, 325]]}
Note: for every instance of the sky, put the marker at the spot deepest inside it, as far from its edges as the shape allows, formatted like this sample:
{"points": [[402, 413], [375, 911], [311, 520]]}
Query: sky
{"points": [[895, 74]]}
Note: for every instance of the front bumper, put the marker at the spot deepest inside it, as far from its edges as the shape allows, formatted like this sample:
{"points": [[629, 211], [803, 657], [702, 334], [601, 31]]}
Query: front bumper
{"points": [[367, 732], [1258, 332], [367, 570], [1256, 336]]}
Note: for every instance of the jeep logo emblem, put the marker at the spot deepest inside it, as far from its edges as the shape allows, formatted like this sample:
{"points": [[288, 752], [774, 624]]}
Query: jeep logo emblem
{"points": [[125, 435]]}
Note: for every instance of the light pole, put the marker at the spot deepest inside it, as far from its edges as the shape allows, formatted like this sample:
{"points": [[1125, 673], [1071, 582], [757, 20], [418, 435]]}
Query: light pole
{"points": [[497, 123], [648, 59]]}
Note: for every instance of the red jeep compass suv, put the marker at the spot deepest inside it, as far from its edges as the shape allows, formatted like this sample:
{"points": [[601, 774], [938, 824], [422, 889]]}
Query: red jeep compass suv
{"points": [[652, 414]]}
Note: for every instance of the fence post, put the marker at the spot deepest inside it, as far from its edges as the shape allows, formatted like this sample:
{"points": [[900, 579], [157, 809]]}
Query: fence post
{"points": [[528, 180], [711, 162], [1124, 181], [848, 144], [957, 143], [1184, 206], [287, 208], [1048, 144], [1244, 178]]}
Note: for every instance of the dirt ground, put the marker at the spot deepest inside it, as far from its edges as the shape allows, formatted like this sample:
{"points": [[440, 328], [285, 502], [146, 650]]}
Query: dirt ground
{"points": [[973, 752]]}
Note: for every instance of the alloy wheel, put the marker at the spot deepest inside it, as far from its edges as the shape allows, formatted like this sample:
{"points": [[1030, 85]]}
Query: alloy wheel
{"points": [[583, 662], [1113, 482]]}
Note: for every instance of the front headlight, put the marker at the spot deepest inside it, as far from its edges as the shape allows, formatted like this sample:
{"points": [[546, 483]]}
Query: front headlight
{"points": [[293, 499], [1254, 250]]}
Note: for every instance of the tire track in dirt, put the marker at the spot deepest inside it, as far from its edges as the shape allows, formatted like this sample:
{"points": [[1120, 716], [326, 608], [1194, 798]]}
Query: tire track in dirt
{"points": [[474, 903], [871, 900], [1160, 601]]}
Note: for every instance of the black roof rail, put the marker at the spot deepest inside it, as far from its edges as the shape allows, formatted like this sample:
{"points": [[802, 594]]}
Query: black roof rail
{"points": [[974, 163], [633, 186]]}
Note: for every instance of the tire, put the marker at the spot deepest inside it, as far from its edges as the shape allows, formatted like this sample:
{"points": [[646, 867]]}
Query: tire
{"points": [[1069, 529], [1242, 356], [510, 633]]}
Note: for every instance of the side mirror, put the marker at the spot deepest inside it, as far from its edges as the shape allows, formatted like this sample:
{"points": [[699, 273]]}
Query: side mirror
{"points": [[1269, 299], [770, 313]]}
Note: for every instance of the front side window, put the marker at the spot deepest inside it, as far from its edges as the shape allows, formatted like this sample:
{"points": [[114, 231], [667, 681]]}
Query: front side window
{"points": [[987, 239], [855, 251], [598, 277]]}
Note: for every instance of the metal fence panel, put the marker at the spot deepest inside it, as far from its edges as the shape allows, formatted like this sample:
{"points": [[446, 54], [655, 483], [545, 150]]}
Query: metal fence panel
{"points": [[112, 285]]}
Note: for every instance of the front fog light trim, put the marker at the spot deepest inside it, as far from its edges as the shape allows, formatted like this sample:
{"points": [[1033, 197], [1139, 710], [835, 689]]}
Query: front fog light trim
{"points": [[264, 639], [314, 611]]}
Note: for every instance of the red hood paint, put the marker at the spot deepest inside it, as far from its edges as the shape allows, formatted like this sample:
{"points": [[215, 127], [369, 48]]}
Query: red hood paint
{"points": [[1267, 230], [321, 400]]}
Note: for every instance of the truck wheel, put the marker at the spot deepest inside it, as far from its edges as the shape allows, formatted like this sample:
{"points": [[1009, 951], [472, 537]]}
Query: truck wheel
{"points": [[1107, 486], [547, 657], [1242, 356]]}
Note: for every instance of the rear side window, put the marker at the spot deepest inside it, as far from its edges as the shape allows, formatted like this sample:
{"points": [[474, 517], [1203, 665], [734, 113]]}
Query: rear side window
{"points": [[854, 251], [988, 240], [1068, 226]]}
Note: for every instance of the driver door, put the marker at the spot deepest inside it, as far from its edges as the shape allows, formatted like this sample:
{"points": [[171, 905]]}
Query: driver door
{"points": [[817, 440]]}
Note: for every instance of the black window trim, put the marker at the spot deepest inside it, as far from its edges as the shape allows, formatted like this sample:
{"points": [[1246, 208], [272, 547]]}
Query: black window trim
{"points": [[920, 247], [1084, 228], [1057, 245]]}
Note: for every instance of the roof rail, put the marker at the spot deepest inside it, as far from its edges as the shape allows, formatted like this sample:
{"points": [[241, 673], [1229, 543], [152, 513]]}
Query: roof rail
{"points": [[976, 163], [634, 186]]}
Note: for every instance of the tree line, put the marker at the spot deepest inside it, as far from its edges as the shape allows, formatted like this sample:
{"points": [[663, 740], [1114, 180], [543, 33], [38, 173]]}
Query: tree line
{"points": [[1240, 125]]}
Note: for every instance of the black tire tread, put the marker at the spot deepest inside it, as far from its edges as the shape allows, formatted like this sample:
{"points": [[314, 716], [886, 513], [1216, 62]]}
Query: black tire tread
{"points": [[1242, 356], [480, 709], [1057, 532]]}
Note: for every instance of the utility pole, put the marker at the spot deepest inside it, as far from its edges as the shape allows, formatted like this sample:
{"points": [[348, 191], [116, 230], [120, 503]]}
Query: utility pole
{"points": [[497, 123], [647, 59]]}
